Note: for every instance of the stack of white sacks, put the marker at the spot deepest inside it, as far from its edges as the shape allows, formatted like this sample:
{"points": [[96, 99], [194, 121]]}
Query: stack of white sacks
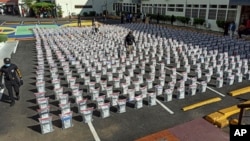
{"points": [[159, 66], [43, 102]]}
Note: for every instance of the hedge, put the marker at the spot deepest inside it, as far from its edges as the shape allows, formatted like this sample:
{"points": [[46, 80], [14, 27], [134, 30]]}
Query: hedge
{"points": [[3, 37]]}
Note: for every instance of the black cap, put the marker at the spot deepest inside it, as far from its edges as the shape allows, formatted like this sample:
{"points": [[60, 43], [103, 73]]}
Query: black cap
{"points": [[6, 60]]}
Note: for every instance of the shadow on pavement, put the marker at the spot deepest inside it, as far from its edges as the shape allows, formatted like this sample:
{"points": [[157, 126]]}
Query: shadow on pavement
{"points": [[35, 117], [78, 118], [35, 128], [5, 99], [32, 101]]}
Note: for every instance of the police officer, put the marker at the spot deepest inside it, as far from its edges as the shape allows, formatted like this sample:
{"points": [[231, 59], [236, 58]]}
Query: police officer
{"points": [[12, 79]]}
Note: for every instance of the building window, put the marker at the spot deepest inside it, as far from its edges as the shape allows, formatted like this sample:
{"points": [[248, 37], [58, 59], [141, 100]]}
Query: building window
{"points": [[150, 10], [203, 6], [114, 5], [188, 12], [179, 5], [83, 6], [195, 13], [231, 15], [221, 15], [213, 6], [163, 11], [189, 5], [222, 6], [155, 10], [212, 14], [171, 5], [170, 9], [196, 6], [179, 9], [202, 13], [232, 6]]}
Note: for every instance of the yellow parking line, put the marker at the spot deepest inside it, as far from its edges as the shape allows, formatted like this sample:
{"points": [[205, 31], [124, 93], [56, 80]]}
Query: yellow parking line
{"points": [[202, 103]]}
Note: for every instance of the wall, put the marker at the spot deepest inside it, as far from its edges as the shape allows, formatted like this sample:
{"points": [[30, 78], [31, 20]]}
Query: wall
{"points": [[212, 22], [68, 6]]}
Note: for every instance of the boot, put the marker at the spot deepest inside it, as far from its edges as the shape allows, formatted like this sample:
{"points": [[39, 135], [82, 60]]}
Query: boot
{"points": [[17, 97]]}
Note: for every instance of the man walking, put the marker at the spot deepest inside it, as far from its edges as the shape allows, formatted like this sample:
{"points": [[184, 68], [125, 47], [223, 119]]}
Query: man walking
{"points": [[12, 79], [129, 40]]}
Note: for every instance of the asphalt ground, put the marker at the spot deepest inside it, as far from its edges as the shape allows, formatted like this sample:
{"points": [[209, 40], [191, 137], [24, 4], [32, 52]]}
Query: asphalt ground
{"points": [[20, 122]]}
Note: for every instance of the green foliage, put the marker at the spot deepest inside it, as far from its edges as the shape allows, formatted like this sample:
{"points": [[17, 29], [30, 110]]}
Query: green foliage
{"points": [[167, 18], [3, 37], [60, 12], [92, 13], [184, 20], [161, 17], [198, 21], [28, 2], [118, 13], [85, 14], [220, 24]]}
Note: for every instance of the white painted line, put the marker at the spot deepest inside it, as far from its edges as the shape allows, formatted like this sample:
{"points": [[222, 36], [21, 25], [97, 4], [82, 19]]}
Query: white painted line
{"points": [[199, 83], [15, 47], [216, 92], [3, 23], [92, 129], [165, 107]]}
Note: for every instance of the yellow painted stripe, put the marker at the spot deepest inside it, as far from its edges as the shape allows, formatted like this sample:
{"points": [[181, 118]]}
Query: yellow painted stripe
{"points": [[75, 24], [202, 103], [11, 39], [11, 23], [29, 22], [240, 91], [9, 30]]}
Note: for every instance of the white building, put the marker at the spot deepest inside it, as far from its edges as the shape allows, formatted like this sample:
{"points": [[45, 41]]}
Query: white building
{"points": [[75, 7], [210, 10]]}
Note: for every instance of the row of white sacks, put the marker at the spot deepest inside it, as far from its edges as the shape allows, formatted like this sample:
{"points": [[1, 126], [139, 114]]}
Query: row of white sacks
{"points": [[115, 58], [131, 73], [194, 55], [210, 41]]}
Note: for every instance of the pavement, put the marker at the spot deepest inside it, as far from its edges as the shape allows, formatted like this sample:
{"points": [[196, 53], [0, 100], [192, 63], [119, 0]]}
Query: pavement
{"points": [[20, 122]]}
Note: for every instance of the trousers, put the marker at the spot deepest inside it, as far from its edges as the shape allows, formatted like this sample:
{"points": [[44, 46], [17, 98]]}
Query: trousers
{"points": [[130, 49], [10, 85]]}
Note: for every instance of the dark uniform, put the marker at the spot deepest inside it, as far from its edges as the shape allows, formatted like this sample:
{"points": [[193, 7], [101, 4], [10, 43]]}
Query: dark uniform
{"points": [[79, 22], [129, 40], [12, 78]]}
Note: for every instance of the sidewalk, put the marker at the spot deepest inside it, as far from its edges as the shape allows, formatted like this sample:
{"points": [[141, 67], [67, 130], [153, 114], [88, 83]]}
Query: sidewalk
{"points": [[7, 50]]}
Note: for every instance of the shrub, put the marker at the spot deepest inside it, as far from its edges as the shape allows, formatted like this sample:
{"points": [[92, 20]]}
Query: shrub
{"points": [[198, 21], [184, 20], [85, 14], [92, 13], [167, 18], [3, 37], [220, 24]]}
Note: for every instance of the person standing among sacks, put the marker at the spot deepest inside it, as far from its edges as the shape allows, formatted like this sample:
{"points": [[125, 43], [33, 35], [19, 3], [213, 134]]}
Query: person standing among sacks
{"points": [[232, 28], [95, 27], [129, 41], [12, 79], [79, 22]]}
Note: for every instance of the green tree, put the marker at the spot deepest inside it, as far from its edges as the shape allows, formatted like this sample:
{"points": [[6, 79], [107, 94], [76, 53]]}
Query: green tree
{"points": [[28, 2]]}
